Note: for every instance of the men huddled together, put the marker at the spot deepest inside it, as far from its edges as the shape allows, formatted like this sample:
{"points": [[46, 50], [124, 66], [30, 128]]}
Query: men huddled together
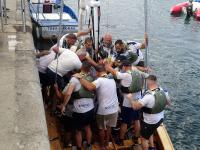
{"points": [[95, 95]]}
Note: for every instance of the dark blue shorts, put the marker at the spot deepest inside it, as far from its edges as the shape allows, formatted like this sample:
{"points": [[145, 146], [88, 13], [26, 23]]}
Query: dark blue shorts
{"points": [[129, 114], [67, 122], [43, 79], [83, 119], [51, 79]]}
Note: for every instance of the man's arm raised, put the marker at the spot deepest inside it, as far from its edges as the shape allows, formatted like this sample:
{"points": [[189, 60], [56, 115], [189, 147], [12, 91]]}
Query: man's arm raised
{"points": [[88, 85]]}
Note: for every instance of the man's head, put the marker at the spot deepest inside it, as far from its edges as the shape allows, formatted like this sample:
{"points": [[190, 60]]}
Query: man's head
{"points": [[81, 53], [107, 40], [88, 43], [85, 66], [152, 82], [126, 65], [119, 46], [100, 69], [71, 39]]}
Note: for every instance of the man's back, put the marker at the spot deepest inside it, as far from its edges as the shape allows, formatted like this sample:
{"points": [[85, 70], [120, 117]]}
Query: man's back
{"points": [[106, 95], [67, 61]]}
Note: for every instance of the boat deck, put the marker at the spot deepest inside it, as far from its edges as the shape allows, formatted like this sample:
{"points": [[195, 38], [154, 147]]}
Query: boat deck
{"points": [[56, 142]]}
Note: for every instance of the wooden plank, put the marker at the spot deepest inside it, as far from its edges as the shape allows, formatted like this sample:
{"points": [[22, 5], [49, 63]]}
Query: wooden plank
{"points": [[55, 143], [164, 138]]}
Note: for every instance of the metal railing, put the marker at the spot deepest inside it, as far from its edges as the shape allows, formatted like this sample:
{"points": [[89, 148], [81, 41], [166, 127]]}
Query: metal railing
{"points": [[3, 11], [2, 14], [23, 15]]}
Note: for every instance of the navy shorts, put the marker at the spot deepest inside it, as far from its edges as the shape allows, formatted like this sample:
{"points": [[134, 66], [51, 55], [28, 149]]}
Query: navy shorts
{"points": [[129, 114], [83, 119], [67, 122], [148, 129], [51, 79], [43, 79]]}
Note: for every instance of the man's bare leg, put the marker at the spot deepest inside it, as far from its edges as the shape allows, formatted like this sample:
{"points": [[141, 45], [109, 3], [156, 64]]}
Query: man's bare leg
{"points": [[78, 139], [88, 134], [123, 129], [145, 144], [107, 136], [101, 138], [151, 143]]}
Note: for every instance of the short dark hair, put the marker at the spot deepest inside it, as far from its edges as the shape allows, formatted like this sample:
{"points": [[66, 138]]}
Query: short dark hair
{"points": [[152, 78], [126, 63], [100, 68], [119, 41], [86, 65], [71, 36], [88, 39]]}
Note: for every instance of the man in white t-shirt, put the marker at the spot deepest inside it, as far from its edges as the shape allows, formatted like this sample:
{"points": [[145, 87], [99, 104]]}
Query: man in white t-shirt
{"points": [[68, 40], [107, 111], [66, 62], [83, 103], [153, 110], [128, 115]]}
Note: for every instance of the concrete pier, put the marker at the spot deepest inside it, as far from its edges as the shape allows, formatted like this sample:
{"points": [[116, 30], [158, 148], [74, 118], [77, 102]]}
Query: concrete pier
{"points": [[22, 116]]}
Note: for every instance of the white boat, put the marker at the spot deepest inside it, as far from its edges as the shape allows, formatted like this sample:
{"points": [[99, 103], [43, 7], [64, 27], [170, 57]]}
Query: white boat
{"points": [[45, 15]]}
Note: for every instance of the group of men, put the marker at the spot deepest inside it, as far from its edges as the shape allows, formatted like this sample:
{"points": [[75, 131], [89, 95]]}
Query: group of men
{"points": [[103, 85]]}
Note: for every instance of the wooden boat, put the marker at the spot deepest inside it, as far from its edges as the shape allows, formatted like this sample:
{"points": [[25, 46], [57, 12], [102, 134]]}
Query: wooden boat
{"points": [[45, 15], [161, 137]]}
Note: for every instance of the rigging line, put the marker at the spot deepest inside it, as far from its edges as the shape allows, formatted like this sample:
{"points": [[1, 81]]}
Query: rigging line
{"points": [[146, 31], [107, 17], [99, 19], [59, 36]]}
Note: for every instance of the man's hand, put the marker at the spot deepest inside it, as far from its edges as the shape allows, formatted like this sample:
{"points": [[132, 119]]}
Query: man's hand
{"points": [[108, 66], [55, 49], [62, 108], [89, 29], [146, 39], [129, 96], [77, 75]]}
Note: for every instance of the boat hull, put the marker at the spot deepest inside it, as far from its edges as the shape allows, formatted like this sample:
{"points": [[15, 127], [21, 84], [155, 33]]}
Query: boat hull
{"points": [[180, 9], [177, 10], [46, 21]]}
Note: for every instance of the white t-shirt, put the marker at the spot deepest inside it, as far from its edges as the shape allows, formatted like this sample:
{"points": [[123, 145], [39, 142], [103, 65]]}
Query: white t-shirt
{"points": [[84, 104], [44, 61], [106, 95], [67, 61], [63, 38], [149, 102], [134, 47], [126, 80]]}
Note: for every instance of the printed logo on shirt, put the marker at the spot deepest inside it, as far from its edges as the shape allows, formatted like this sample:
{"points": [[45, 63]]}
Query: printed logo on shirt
{"points": [[110, 107]]}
